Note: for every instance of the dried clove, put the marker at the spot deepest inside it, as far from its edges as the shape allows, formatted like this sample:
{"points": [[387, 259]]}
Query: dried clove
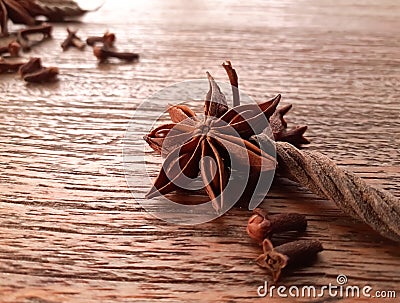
{"points": [[72, 40], [103, 54], [24, 36], [6, 67], [294, 253], [33, 65], [12, 48], [44, 29], [33, 71], [107, 39], [46, 74], [261, 226]]}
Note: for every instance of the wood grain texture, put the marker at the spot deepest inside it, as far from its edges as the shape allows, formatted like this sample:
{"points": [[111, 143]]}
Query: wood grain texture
{"points": [[70, 230]]}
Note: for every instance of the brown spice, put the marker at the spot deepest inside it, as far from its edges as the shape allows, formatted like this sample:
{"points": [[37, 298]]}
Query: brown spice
{"points": [[107, 39], [12, 48], [44, 29], [199, 140], [46, 74], [6, 67], [24, 36], [296, 253], [34, 72], [33, 65], [377, 208], [103, 54], [196, 144], [261, 226], [72, 40]]}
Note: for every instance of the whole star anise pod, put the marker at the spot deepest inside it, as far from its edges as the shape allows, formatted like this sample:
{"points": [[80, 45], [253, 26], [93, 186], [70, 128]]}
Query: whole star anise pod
{"points": [[222, 141], [26, 11]]}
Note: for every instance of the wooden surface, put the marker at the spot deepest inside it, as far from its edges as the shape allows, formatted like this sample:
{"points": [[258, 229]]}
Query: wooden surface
{"points": [[70, 230]]}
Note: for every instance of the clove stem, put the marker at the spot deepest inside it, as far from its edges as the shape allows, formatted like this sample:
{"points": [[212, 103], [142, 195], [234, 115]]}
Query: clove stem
{"points": [[107, 39], [103, 54], [261, 226], [33, 65], [6, 67], [295, 253], [23, 35], [46, 74]]}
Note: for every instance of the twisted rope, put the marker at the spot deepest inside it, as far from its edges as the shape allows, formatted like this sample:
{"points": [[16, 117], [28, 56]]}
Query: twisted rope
{"points": [[376, 207]]}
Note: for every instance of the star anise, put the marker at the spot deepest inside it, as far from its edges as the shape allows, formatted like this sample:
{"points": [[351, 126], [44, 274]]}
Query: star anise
{"points": [[26, 11], [209, 146]]}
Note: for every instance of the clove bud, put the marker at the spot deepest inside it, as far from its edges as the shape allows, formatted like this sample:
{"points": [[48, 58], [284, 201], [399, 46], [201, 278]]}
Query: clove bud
{"points": [[33, 71], [107, 39], [24, 36], [261, 226], [6, 67], [46, 74], [104, 54], [72, 40], [33, 65], [12, 48], [294, 253]]}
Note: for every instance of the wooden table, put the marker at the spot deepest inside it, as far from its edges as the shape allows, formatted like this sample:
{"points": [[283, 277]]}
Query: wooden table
{"points": [[70, 230]]}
